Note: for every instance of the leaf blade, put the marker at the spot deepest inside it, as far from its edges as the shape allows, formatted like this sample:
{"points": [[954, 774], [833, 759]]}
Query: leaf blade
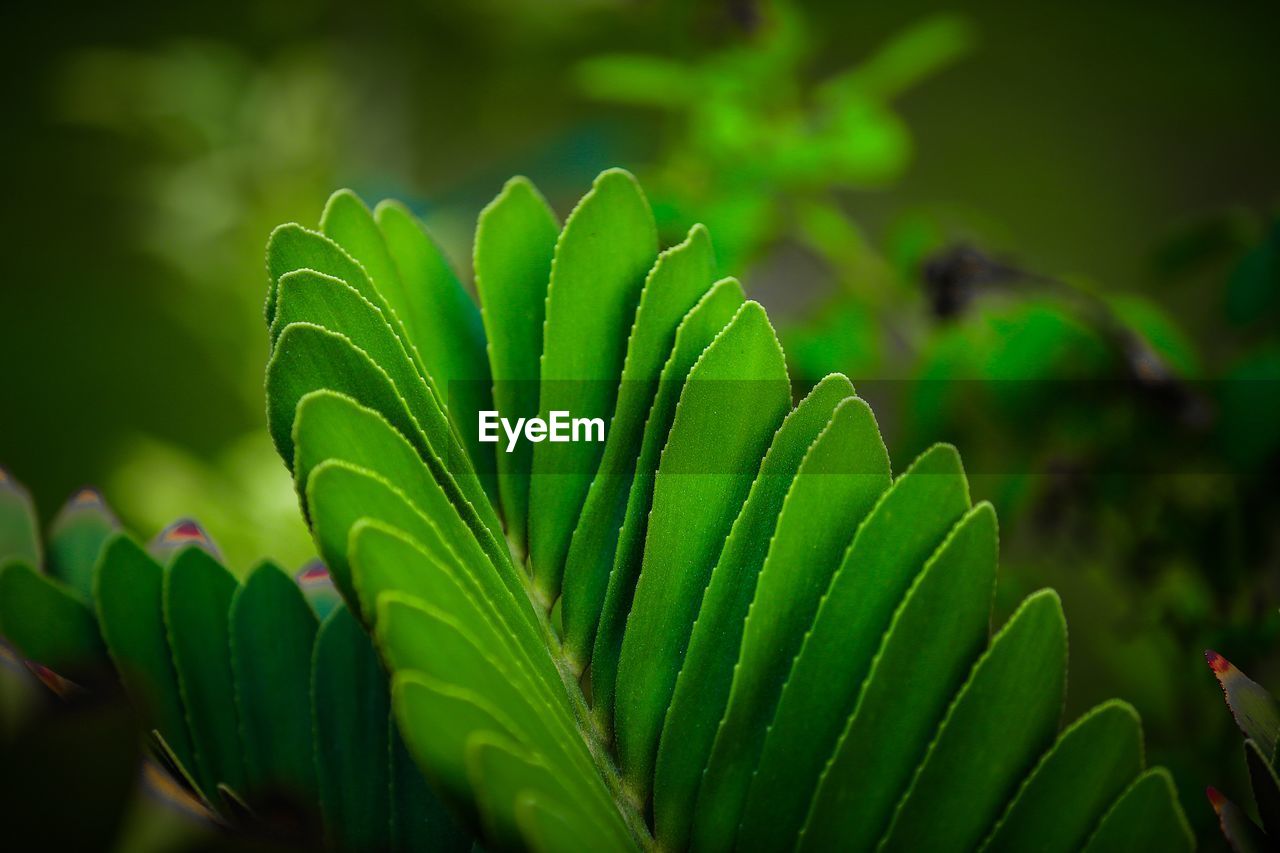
{"points": [[734, 400], [1001, 720], [892, 546], [514, 245], [272, 636], [906, 692], [673, 287], [702, 686], [1146, 817], [695, 333], [607, 246], [197, 602]]}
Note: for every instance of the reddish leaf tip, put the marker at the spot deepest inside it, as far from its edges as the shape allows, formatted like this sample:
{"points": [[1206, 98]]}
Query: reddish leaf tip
{"points": [[184, 530], [1215, 798], [1219, 664], [313, 573], [50, 679]]}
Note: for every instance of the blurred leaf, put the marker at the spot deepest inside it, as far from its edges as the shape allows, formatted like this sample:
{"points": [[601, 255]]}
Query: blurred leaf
{"points": [[66, 777], [47, 621], [197, 599], [1253, 290], [350, 709], [1250, 404], [905, 60], [638, 79], [419, 821], [129, 602], [501, 770], [1266, 787], [272, 630], [1160, 332], [19, 528], [76, 538], [1241, 833]]}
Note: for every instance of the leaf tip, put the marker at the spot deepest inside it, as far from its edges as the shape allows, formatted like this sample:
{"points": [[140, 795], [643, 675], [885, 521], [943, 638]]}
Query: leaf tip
{"points": [[1215, 798], [1221, 666]]}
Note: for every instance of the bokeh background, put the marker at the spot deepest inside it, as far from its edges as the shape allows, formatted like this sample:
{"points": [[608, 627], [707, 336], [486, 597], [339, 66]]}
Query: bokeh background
{"points": [[1045, 232]]}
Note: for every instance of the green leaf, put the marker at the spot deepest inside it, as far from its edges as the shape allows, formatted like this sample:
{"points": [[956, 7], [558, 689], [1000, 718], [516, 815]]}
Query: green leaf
{"points": [[436, 719], [515, 243], [350, 708], [545, 827], [502, 771], [702, 687], [924, 656], [19, 528], [271, 636], [445, 328], [638, 79], [197, 601], [419, 821], [76, 538], [1252, 706], [292, 247], [128, 597], [1266, 787], [1253, 287], [310, 297], [607, 246], [309, 358], [341, 494], [386, 559], [1146, 817], [176, 768], [415, 635], [695, 333], [348, 223], [1001, 720], [732, 403], [1241, 833], [889, 550], [1060, 803], [47, 621], [677, 281], [842, 476], [333, 426]]}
